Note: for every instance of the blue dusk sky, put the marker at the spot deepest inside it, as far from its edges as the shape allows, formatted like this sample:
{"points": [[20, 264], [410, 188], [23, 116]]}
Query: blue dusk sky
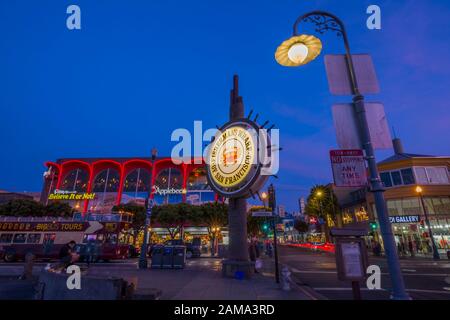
{"points": [[138, 69]]}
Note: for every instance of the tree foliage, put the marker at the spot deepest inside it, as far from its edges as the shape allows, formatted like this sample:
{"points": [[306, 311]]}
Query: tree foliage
{"points": [[58, 209], [301, 226], [136, 210], [321, 206], [31, 208], [174, 217], [255, 224], [322, 202], [213, 214]]}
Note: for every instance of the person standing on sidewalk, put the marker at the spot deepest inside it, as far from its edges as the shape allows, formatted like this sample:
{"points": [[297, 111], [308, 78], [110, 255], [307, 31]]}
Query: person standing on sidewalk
{"points": [[411, 248], [252, 253]]}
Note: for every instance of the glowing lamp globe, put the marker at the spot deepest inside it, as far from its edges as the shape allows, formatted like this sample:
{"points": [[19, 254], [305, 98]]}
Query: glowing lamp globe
{"points": [[298, 50]]}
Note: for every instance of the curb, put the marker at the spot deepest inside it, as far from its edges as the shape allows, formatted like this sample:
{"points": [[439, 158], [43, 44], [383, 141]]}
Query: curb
{"points": [[307, 290]]}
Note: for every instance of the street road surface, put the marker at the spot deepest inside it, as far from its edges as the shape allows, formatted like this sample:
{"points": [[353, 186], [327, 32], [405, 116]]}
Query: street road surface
{"points": [[424, 278]]}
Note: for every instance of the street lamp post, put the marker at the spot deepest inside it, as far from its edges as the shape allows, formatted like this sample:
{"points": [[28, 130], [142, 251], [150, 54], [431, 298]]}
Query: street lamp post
{"points": [[143, 263], [264, 198], [427, 221], [300, 50], [322, 226]]}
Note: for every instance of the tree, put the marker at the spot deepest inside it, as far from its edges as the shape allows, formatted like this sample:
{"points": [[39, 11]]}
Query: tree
{"points": [[138, 213], [174, 217], [322, 202], [255, 225], [215, 216], [58, 209], [212, 214], [301, 226], [22, 208]]}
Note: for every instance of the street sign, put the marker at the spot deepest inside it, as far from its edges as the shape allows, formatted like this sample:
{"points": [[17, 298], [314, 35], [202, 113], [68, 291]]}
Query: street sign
{"points": [[262, 214], [339, 79], [349, 169], [346, 126]]}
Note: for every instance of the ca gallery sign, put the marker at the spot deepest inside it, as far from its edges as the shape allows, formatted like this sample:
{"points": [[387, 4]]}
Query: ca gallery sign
{"points": [[235, 158], [404, 219]]}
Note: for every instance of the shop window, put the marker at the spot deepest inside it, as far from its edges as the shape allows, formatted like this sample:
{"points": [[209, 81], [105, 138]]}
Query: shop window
{"points": [[411, 206], [171, 180], [441, 205], [136, 186], [386, 179], [105, 187], [407, 176], [432, 175], [76, 180], [396, 178], [421, 175], [361, 215], [437, 175], [347, 218]]}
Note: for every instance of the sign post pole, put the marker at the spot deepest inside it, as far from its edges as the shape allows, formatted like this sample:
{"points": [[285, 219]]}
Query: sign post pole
{"points": [[143, 263], [272, 204]]}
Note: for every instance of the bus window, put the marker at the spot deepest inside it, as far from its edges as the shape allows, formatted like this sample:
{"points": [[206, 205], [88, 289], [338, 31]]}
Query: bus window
{"points": [[49, 238], [34, 238], [6, 238], [123, 238], [111, 238], [100, 238], [89, 237], [20, 238]]}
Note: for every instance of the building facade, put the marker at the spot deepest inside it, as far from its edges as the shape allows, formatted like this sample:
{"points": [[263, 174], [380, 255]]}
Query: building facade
{"points": [[401, 174], [114, 181]]}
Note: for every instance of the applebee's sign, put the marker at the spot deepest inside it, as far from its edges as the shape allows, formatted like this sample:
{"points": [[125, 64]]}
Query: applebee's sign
{"points": [[166, 191]]}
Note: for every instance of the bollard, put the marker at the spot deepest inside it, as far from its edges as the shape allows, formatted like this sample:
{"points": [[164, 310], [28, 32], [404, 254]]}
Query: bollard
{"points": [[28, 267], [286, 279]]}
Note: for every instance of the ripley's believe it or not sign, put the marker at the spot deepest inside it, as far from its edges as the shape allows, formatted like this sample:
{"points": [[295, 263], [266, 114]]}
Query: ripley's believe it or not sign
{"points": [[234, 159]]}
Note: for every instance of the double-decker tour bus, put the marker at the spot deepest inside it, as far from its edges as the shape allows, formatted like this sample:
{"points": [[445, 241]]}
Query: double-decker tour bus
{"points": [[44, 236]]}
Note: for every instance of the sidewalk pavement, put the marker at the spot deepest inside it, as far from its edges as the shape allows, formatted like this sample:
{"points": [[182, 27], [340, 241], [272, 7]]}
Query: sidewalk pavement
{"points": [[200, 280]]}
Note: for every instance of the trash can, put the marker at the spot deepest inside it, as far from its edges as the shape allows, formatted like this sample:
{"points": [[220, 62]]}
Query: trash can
{"points": [[157, 255], [179, 256], [167, 257]]}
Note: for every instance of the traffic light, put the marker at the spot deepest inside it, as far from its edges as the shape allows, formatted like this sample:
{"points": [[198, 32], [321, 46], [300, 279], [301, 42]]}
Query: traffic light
{"points": [[272, 201], [373, 225], [265, 227]]}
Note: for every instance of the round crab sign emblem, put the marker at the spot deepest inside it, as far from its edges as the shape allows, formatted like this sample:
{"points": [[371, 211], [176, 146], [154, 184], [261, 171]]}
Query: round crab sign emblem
{"points": [[233, 160]]}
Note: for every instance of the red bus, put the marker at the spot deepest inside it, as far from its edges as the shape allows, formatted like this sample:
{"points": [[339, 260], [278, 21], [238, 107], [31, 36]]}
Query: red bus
{"points": [[44, 236]]}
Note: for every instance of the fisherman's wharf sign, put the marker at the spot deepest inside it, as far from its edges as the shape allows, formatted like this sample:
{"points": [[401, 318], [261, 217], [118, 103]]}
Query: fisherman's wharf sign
{"points": [[233, 160]]}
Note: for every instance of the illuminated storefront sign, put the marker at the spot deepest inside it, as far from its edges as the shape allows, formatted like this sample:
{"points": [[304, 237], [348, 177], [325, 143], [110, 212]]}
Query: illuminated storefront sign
{"points": [[404, 219], [70, 195], [163, 192]]}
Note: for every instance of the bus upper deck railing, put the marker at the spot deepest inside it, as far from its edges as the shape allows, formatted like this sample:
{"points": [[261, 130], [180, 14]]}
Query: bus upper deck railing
{"points": [[103, 217]]}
